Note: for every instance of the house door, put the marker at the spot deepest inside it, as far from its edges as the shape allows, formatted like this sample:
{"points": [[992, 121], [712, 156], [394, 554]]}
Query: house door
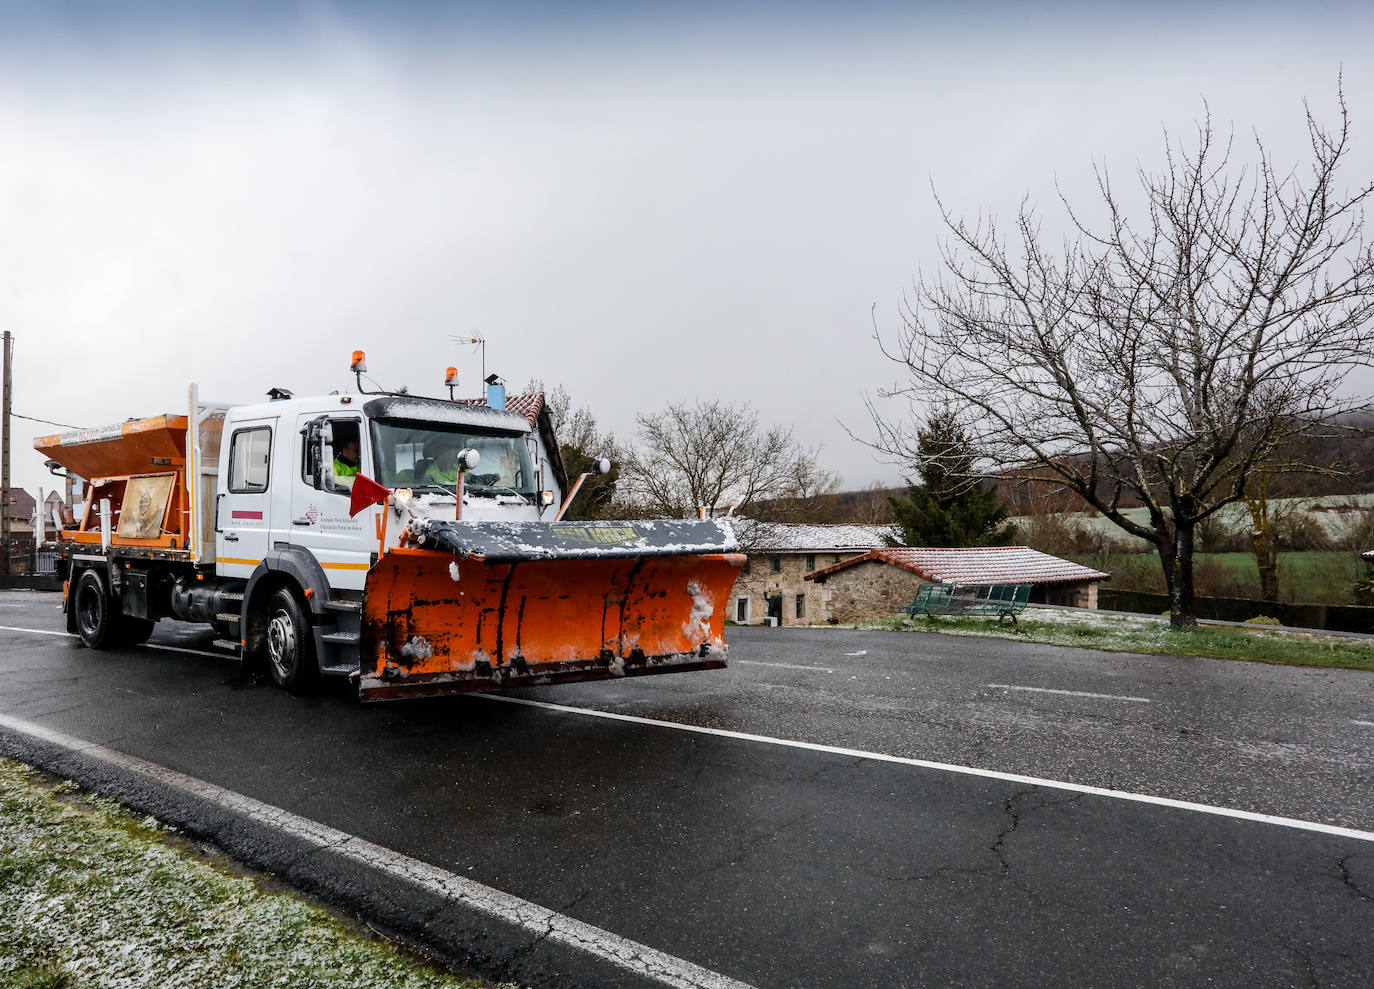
{"points": [[775, 608]]}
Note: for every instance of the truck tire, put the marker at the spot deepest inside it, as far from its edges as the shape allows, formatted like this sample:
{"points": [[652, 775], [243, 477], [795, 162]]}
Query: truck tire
{"points": [[135, 631], [290, 645], [97, 619]]}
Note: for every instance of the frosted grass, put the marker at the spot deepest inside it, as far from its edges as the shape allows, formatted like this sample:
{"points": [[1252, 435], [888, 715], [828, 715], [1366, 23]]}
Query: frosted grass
{"points": [[91, 893]]}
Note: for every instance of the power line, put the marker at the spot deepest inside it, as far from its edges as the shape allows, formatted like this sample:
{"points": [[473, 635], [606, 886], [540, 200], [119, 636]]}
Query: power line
{"points": [[47, 422]]}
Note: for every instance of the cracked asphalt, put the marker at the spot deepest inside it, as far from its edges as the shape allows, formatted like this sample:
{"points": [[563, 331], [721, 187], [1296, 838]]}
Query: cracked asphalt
{"points": [[785, 867]]}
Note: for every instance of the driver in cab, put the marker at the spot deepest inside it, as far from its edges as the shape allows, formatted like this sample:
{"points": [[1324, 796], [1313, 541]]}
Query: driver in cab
{"points": [[346, 463], [444, 470]]}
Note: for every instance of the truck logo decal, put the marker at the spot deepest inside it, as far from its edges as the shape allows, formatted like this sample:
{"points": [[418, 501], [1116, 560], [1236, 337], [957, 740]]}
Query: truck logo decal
{"points": [[240, 513], [312, 514]]}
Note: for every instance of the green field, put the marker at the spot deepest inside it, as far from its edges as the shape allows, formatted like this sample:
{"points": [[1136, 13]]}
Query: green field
{"points": [[1304, 577]]}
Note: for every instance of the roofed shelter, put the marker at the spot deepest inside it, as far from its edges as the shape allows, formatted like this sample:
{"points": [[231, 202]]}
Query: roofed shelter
{"points": [[882, 581]]}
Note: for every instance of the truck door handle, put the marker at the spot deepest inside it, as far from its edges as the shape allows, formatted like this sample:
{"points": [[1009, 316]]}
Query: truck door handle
{"points": [[231, 537], [300, 521]]}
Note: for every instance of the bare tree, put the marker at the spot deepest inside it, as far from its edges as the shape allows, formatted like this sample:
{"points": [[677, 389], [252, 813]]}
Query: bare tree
{"points": [[714, 455], [873, 505], [581, 443], [1155, 359]]}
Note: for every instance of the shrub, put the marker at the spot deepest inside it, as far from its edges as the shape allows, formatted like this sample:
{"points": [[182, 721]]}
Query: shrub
{"points": [[1354, 530], [1263, 620], [1058, 533], [1214, 578]]}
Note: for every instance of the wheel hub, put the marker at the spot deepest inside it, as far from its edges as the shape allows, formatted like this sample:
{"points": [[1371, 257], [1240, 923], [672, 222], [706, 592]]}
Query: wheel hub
{"points": [[88, 609], [281, 643]]}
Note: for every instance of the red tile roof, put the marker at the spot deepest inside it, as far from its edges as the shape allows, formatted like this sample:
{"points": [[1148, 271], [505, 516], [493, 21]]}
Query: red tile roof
{"points": [[21, 506], [522, 405], [975, 565]]}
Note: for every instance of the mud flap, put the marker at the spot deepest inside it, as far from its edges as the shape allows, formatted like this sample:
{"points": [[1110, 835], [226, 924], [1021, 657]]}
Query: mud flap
{"points": [[435, 622]]}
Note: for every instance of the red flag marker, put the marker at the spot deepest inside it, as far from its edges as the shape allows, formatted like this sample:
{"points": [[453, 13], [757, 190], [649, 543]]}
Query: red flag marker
{"points": [[366, 493]]}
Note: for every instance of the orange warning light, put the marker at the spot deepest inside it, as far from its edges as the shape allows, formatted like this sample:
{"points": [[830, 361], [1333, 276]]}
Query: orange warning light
{"points": [[359, 362], [451, 376]]}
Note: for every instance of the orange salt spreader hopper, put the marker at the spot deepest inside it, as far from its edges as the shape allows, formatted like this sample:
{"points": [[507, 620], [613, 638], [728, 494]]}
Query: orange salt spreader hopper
{"points": [[139, 466]]}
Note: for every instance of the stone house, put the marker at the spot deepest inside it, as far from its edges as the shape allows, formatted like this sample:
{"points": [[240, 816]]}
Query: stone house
{"points": [[773, 583], [878, 583]]}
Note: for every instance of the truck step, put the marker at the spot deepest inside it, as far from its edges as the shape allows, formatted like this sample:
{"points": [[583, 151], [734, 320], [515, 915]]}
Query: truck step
{"points": [[231, 595], [342, 670], [355, 607], [229, 644], [340, 638], [235, 618]]}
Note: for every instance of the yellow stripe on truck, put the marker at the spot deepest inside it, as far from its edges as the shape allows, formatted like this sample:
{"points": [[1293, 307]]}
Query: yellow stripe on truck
{"points": [[327, 566]]}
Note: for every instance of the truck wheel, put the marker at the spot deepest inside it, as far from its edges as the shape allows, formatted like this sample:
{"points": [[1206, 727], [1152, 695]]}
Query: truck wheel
{"points": [[96, 620], [290, 647], [135, 631]]}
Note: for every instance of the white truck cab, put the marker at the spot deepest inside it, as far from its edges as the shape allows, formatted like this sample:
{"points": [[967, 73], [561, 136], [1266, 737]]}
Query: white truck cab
{"points": [[278, 487]]}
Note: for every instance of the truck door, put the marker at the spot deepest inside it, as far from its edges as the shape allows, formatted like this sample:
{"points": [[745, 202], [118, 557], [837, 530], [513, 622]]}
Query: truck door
{"points": [[319, 512], [243, 521]]}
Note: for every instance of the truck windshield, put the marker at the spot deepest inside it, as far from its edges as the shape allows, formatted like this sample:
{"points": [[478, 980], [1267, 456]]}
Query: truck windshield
{"points": [[424, 455]]}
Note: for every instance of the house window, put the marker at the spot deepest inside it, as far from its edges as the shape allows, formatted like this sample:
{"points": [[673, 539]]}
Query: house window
{"points": [[775, 564], [810, 562], [741, 611], [801, 605]]}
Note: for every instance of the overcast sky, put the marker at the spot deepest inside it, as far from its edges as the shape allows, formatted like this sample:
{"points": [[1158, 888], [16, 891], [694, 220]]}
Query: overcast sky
{"points": [[644, 203]]}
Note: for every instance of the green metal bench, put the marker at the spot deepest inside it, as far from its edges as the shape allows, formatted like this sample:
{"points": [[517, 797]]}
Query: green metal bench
{"points": [[1002, 600]]}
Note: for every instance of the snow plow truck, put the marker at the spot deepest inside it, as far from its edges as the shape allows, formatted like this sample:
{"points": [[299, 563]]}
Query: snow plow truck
{"points": [[413, 545]]}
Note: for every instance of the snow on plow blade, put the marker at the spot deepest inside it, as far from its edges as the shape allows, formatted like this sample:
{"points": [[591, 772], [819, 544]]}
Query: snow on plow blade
{"points": [[483, 605]]}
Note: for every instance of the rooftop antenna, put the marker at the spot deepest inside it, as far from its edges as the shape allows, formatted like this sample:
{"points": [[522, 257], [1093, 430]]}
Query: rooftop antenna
{"points": [[480, 342]]}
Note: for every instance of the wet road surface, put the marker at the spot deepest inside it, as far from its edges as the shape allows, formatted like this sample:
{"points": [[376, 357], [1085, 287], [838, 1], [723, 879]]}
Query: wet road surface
{"points": [[783, 866]]}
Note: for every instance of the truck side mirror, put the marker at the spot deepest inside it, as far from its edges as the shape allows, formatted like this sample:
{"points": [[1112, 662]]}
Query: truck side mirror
{"points": [[319, 453]]}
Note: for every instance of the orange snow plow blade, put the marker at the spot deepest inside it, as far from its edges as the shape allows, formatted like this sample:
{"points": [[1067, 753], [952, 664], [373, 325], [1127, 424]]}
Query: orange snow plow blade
{"points": [[438, 622]]}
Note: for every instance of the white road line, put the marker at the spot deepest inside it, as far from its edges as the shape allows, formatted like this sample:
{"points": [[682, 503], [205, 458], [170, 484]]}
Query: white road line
{"points": [[1362, 724], [146, 645], [1071, 693], [603, 945], [944, 767], [861, 652], [35, 631], [785, 666]]}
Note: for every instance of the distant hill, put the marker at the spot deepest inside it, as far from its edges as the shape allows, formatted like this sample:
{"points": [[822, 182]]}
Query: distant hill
{"points": [[1345, 451]]}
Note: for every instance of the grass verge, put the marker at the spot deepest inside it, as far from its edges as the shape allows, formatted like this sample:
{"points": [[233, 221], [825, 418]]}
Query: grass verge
{"points": [[1149, 635], [92, 896]]}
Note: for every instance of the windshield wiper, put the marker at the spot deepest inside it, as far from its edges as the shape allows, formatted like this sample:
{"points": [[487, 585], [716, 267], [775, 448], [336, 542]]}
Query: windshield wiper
{"points": [[495, 490]]}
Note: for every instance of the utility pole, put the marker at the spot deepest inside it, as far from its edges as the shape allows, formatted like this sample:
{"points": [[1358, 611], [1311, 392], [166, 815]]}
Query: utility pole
{"points": [[5, 460]]}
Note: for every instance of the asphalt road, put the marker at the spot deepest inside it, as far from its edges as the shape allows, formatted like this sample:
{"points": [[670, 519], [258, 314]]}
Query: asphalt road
{"points": [[784, 866]]}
